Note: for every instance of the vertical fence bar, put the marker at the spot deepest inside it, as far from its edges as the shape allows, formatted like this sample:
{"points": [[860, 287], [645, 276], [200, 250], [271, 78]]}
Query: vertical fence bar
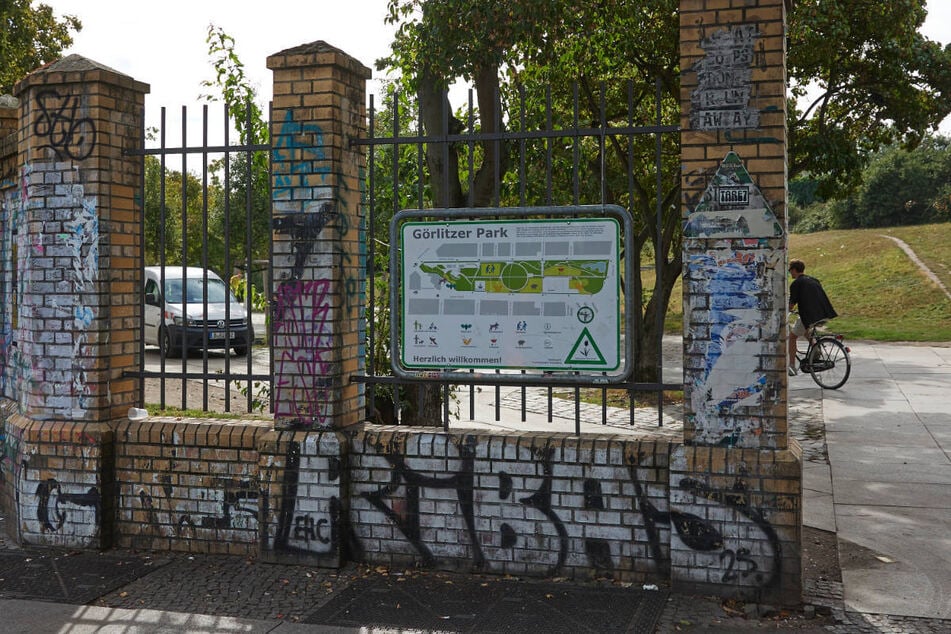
{"points": [[204, 251], [184, 255], [632, 403], [161, 252], [229, 265], [659, 257], [371, 256]]}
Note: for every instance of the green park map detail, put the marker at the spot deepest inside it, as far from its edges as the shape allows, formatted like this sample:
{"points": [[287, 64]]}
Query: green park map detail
{"points": [[585, 277], [533, 294]]}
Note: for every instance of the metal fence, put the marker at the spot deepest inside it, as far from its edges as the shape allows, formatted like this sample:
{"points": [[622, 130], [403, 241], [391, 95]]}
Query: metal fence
{"points": [[544, 156], [206, 207], [204, 201]]}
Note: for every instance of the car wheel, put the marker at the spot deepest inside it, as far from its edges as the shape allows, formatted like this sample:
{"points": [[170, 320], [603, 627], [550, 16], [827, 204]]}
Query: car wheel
{"points": [[241, 350], [166, 348]]}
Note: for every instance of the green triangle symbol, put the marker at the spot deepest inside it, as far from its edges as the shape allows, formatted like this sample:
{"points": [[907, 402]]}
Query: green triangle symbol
{"points": [[585, 351]]}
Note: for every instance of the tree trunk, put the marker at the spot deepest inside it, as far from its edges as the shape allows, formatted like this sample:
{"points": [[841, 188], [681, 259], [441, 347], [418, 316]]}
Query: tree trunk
{"points": [[442, 159]]}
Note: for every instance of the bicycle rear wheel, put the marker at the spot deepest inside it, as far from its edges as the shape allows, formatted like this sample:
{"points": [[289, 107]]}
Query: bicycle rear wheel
{"points": [[829, 363]]}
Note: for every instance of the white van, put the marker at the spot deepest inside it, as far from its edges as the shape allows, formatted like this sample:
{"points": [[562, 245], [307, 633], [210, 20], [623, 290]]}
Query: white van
{"points": [[195, 310]]}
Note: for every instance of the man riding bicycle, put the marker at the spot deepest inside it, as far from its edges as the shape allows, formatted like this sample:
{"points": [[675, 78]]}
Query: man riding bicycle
{"points": [[806, 293]]}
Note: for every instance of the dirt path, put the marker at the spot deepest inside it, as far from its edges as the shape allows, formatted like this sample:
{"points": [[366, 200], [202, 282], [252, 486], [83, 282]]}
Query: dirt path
{"points": [[917, 261]]}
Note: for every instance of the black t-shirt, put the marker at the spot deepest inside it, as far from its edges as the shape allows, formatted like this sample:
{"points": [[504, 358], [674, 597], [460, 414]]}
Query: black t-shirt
{"points": [[813, 303]]}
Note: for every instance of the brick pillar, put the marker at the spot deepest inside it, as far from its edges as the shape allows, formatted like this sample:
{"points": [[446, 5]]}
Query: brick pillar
{"points": [[735, 473], [77, 297], [319, 279], [318, 303]]}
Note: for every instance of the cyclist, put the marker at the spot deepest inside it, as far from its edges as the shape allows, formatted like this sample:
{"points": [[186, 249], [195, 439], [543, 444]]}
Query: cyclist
{"points": [[813, 304]]}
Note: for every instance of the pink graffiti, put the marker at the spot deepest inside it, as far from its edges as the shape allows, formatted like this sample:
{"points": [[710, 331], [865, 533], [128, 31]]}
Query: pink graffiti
{"points": [[302, 343]]}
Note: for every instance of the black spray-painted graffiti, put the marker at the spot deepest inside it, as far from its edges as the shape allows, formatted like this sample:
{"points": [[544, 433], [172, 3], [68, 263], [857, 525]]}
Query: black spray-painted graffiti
{"points": [[701, 535], [52, 505], [399, 501], [299, 531], [541, 500], [304, 229], [724, 81], [404, 510], [239, 498], [59, 122], [406, 516]]}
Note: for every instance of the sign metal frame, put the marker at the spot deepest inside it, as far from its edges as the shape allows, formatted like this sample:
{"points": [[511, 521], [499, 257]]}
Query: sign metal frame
{"points": [[585, 363]]}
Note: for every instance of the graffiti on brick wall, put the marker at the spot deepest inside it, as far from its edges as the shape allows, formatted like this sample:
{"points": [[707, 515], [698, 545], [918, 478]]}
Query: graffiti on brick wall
{"points": [[742, 560], [404, 512], [81, 239], [739, 564], [732, 206], [229, 505], [70, 235], [721, 100], [735, 336], [60, 125], [19, 368], [55, 507], [299, 146], [520, 518], [553, 511], [9, 450], [9, 205], [303, 344], [304, 523], [304, 230]]}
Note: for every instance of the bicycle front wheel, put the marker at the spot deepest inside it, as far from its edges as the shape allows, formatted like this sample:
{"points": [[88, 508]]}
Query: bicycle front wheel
{"points": [[829, 363]]}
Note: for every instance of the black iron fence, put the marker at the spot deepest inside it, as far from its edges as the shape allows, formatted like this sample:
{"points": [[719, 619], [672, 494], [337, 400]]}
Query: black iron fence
{"points": [[205, 257], [606, 146], [208, 205]]}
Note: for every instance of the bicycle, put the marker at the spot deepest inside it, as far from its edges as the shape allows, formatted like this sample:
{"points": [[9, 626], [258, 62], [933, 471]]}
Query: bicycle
{"points": [[826, 358]]}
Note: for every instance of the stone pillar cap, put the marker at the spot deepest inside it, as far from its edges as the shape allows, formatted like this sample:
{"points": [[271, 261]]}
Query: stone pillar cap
{"points": [[314, 54], [76, 68]]}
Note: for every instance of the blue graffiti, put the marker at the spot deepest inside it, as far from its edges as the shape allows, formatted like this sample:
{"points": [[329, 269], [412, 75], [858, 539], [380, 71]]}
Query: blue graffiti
{"points": [[300, 158]]}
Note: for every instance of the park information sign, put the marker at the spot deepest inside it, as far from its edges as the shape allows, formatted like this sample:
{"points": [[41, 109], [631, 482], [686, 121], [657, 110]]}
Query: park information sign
{"points": [[516, 294]]}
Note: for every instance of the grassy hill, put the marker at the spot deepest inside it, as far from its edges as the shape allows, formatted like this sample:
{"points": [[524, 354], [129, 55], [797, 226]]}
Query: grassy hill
{"points": [[879, 293], [877, 290]]}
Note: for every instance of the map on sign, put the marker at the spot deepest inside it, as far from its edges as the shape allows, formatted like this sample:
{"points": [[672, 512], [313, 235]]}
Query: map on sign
{"points": [[535, 294]]}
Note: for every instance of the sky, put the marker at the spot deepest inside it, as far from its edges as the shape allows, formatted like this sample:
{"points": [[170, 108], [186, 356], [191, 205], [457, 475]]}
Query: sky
{"points": [[164, 45]]}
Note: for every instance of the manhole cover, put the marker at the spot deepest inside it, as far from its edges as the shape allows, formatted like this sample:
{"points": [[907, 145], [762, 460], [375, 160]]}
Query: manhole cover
{"points": [[67, 577]]}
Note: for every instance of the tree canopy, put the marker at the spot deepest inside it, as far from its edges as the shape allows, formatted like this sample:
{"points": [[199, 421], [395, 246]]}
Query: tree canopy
{"points": [[872, 77], [30, 36], [863, 77], [861, 74]]}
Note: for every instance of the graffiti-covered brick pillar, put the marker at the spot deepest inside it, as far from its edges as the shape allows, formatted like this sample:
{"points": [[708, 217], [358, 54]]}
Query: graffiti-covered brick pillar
{"points": [[318, 225], [318, 304], [75, 301], [736, 452]]}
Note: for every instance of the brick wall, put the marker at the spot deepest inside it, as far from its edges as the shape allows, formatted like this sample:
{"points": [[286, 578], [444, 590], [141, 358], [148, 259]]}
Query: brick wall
{"points": [[319, 236], [188, 486], [737, 469], [53, 473], [522, 504]]}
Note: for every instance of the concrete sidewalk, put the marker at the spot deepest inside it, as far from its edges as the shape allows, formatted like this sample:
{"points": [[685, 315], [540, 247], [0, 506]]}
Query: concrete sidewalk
{"points": [[888, 496]]}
